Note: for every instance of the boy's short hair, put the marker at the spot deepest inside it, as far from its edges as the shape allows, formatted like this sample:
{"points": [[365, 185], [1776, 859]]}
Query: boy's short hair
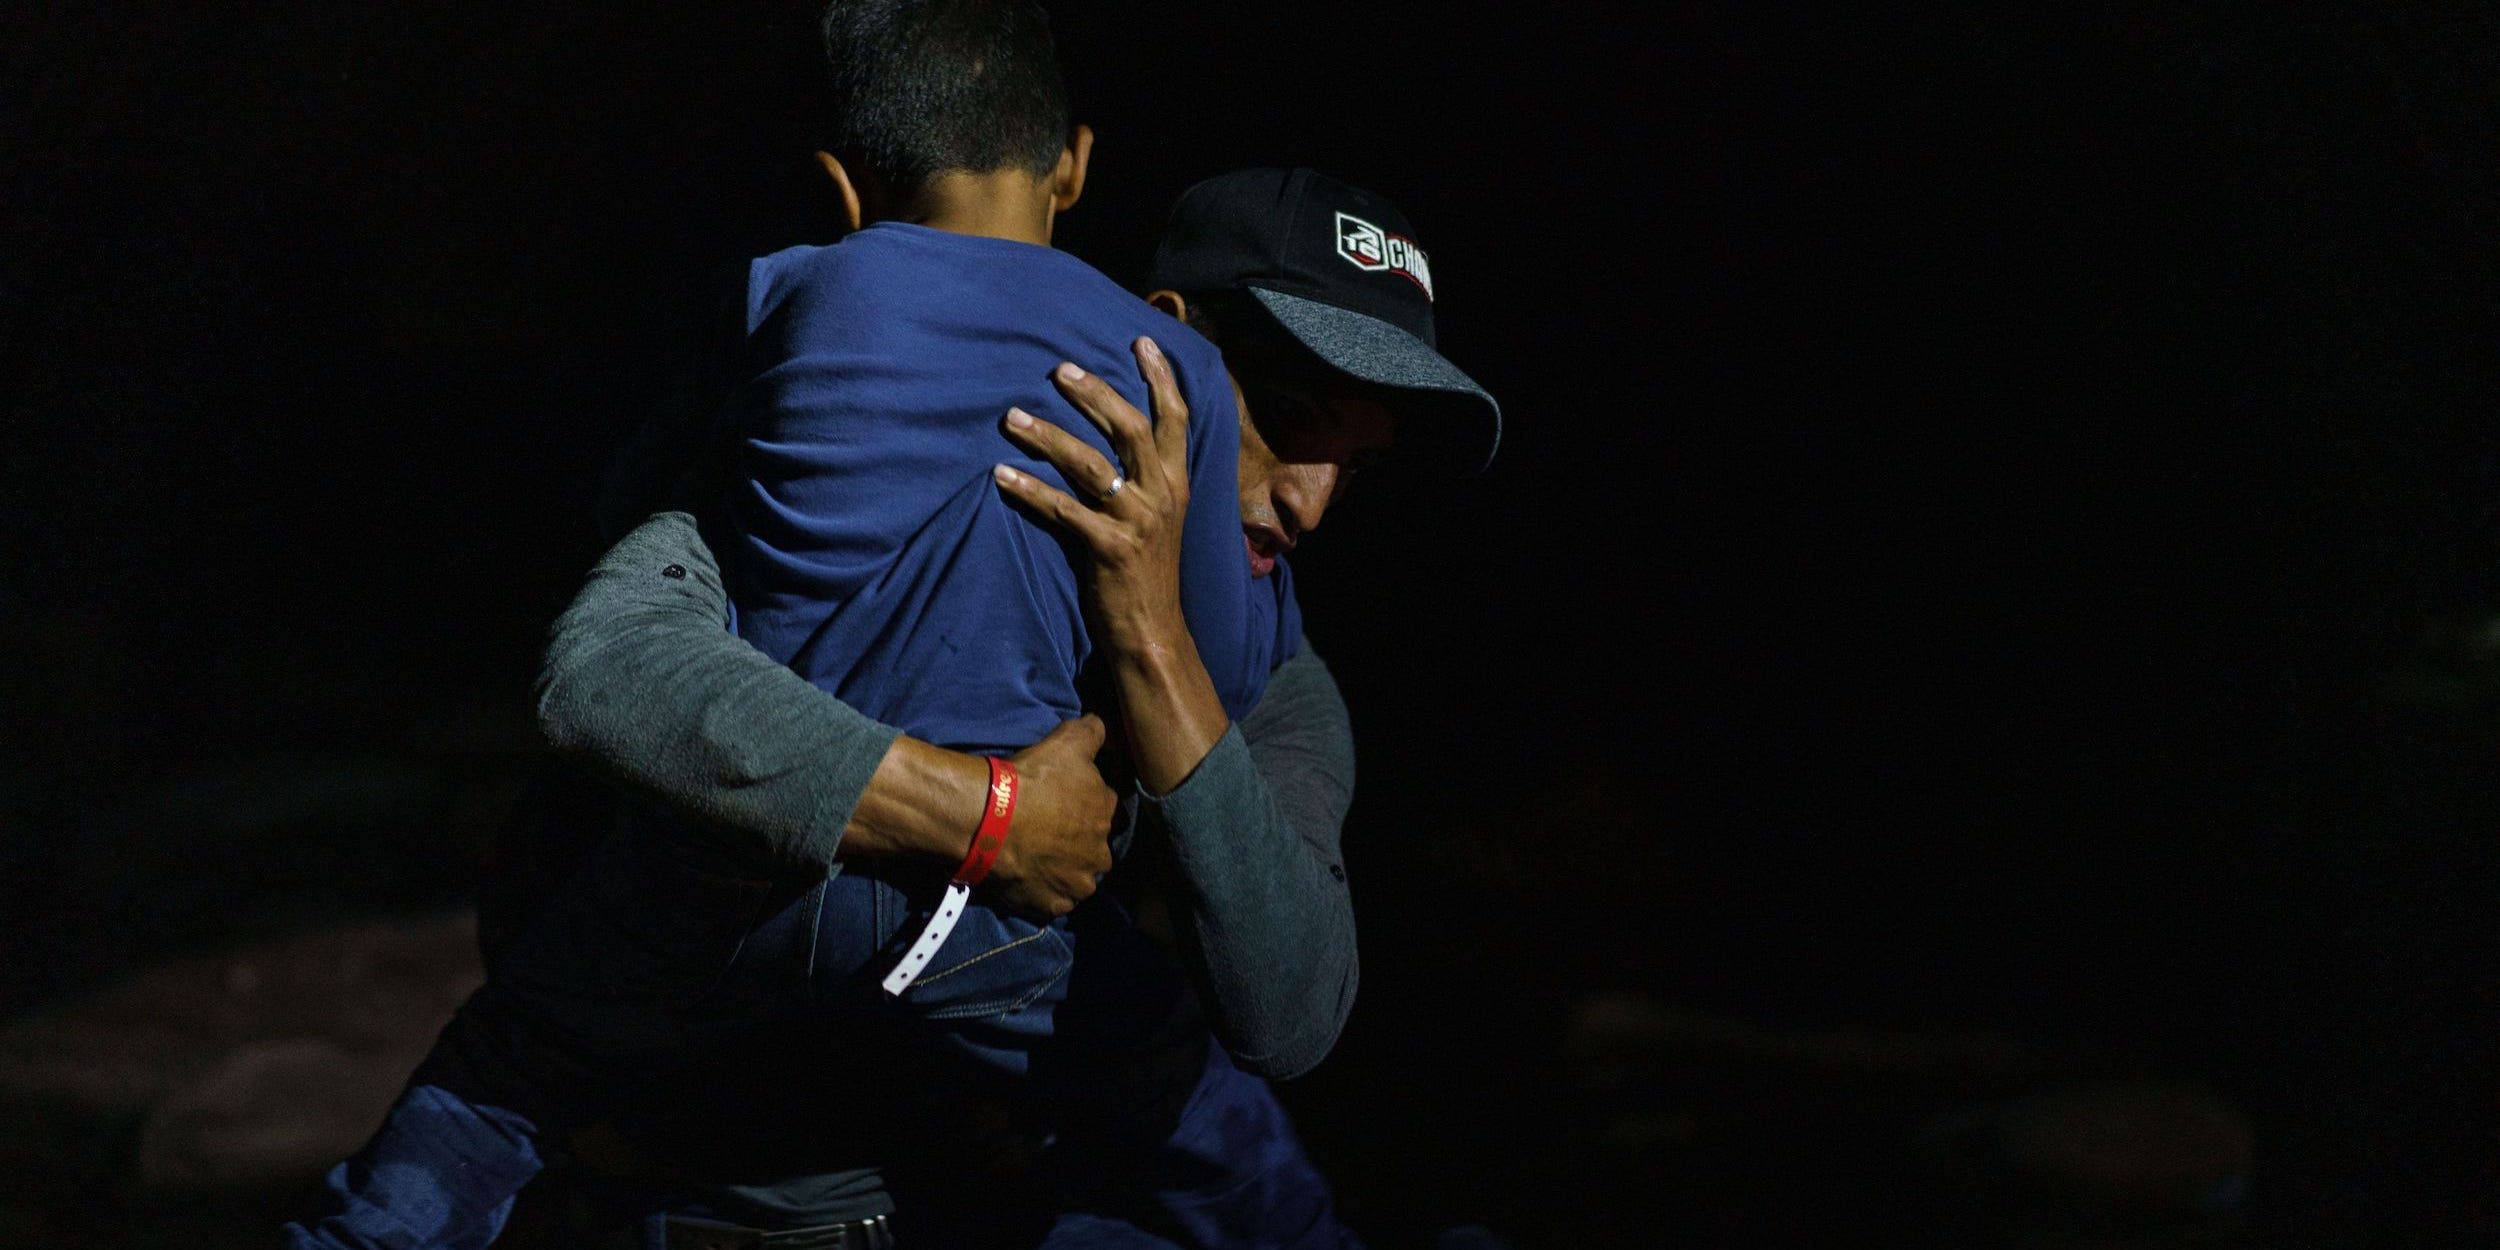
{"points": [[927, 87]]}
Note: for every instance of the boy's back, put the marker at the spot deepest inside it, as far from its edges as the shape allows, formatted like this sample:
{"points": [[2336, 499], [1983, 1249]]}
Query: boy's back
{"points": [[862, 537]]}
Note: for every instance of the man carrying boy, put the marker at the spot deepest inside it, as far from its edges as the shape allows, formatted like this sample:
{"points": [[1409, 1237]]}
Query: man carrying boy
{"points": [[864, 558]]}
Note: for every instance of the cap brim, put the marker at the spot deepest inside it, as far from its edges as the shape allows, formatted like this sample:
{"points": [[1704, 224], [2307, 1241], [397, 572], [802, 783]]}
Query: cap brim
{"points": [[1469, 428]]}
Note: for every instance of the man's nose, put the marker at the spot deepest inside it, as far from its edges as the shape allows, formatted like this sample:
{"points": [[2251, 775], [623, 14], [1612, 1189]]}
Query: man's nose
{"points": [[1304, 494]]}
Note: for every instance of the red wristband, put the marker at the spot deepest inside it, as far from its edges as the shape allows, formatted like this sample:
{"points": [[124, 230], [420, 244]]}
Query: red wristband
{"points": [[991, 834]]}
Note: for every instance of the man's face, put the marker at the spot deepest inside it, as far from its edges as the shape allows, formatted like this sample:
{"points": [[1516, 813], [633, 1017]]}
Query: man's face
{"points": [[1302, 442]]}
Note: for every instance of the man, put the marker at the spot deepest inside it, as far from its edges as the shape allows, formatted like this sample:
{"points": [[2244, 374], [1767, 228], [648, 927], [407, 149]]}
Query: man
{"points": [[1322, 305]]}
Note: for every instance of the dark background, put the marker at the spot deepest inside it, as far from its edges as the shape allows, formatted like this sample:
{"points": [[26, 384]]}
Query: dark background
{"points": [[1995, 528]]}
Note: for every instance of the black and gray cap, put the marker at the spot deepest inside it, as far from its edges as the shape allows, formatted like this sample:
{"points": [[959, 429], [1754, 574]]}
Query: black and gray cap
{"points": [[1340, 271]]}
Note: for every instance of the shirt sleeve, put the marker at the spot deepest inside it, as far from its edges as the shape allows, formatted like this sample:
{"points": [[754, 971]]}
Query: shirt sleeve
{"points": [[643, 678], [1255, 831]]}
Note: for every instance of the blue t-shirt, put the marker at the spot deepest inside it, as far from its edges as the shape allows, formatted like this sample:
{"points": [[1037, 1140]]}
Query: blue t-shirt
{"points": [[863, 540]]}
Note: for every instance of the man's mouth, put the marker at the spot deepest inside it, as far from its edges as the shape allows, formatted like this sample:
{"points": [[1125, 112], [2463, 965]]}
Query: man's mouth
{"points": [[1264, 545]]}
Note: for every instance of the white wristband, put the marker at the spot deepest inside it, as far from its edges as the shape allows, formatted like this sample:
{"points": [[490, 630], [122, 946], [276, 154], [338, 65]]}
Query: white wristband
{"points": [[925, 948]]}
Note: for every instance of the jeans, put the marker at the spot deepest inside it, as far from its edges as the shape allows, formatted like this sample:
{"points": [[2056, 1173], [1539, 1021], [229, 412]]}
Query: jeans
{"points": [[1016, 1094]]}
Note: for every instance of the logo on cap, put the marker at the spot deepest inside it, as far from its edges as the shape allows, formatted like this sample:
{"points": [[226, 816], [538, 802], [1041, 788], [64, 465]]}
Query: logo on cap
{"points": [[1372, 249]]}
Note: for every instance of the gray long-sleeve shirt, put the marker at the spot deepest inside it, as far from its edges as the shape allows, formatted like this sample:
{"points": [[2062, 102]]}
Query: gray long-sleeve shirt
{"points": [[643, 677]]}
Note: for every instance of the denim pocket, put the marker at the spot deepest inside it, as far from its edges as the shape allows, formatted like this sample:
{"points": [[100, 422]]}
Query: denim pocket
{"points": [[990, 965]]}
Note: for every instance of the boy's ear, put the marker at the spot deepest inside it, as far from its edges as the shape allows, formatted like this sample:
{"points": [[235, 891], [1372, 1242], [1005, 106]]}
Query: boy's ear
{"points": [[1067, 181], [1171, 302], [851, 215]]}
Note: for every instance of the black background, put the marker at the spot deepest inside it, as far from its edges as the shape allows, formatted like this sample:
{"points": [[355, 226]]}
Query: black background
{"points": [[1995, 508]]}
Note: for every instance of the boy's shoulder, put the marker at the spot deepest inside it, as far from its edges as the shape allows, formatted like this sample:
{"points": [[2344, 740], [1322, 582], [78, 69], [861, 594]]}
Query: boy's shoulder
{"points": [[890, 260], [897, 262], [899, 250]]}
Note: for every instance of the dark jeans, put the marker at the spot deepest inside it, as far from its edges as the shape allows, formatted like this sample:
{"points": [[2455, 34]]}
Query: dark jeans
{"points": [[1038, 1085]]}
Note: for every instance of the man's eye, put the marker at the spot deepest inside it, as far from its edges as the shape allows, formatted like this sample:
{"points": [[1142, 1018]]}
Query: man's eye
{"points": [[1299, 413]]}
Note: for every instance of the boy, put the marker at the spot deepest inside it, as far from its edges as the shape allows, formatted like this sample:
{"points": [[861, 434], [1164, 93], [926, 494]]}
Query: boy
{"points": [[863, 540]]}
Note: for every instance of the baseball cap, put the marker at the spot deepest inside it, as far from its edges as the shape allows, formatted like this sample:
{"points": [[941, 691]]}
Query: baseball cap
{"points": [[1340, 271]]}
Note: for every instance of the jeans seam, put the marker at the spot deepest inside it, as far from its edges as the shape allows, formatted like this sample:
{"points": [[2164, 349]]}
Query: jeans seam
{"points": [[816, 925], [965, 1011], [1000, 949], [1016, 1003]]}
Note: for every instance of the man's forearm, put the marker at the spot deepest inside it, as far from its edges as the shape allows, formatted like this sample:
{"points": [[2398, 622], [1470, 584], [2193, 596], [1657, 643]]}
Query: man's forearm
{"points": [[1264, 915], [921, 802], [1168, 707]]}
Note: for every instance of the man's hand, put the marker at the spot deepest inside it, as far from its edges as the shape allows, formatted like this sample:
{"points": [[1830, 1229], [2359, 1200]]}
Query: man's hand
{"points": [[1132, 526], [1131, 519], [1060, 839], [924, 802]]}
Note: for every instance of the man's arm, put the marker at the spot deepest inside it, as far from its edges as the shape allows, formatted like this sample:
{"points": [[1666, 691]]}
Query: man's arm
{"points": [[643, 678], [1168, 702], [1266, 919]]}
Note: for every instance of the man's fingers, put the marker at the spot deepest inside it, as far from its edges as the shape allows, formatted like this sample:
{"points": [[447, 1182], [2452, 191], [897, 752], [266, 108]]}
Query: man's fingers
{"points": [[1171, 424], [1088, 730], [1084, 734], [1055, 505], [1077, 890], [1081, 464], [1118, 419]]}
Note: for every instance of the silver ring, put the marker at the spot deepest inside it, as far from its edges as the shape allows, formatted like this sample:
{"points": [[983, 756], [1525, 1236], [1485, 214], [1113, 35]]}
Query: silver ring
{"points": [[1117, 481]]}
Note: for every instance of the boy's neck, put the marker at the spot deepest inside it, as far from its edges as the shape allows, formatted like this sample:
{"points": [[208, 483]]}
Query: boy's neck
{"points": [[1001, 204]]}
